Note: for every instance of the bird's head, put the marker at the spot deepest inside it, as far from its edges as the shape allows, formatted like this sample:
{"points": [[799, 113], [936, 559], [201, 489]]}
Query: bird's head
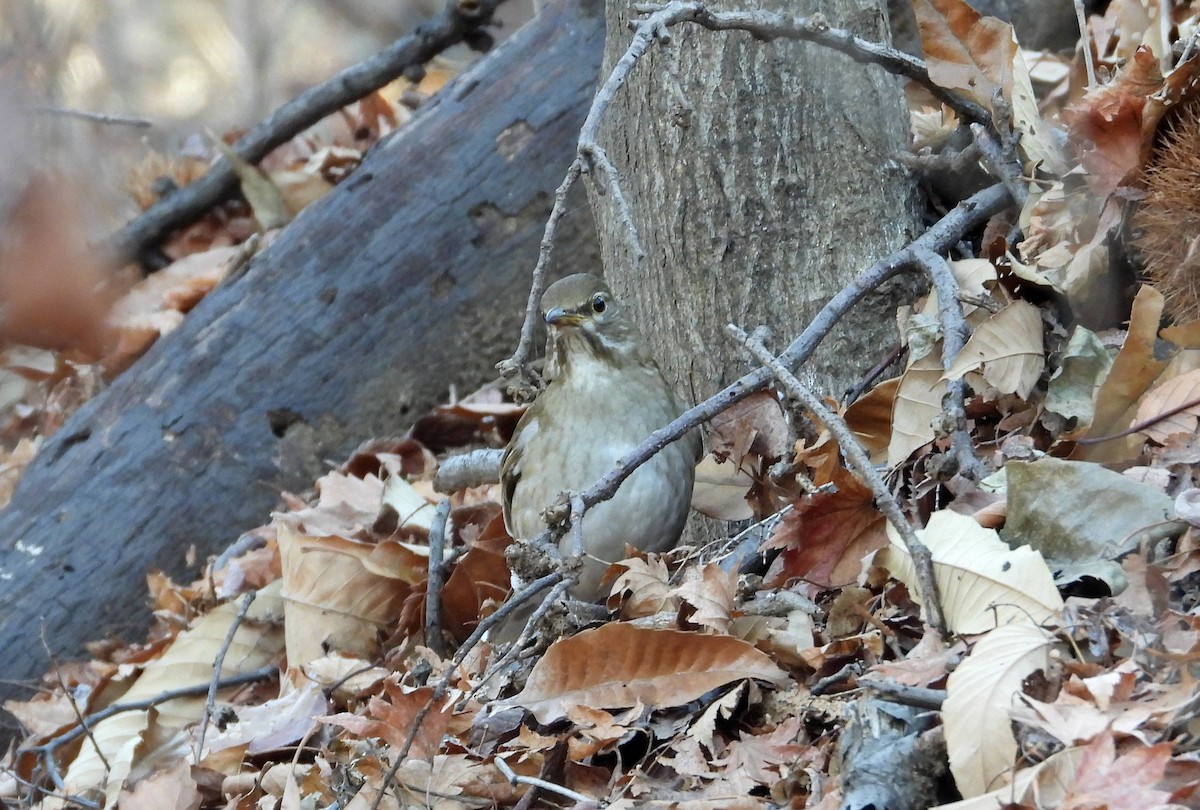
{"points": [[584, 316]]}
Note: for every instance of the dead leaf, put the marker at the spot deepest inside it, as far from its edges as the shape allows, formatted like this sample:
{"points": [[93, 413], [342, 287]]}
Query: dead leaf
{"points": [[1167, 396], [166, 789], [1008, 348], [981, 581], [1125, 782], [710, 593], [1135, 368], [980, 693], [619, 665], [965, 51], [825, 538]]}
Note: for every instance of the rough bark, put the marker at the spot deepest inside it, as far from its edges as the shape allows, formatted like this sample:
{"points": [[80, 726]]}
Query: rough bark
{"points": [[761, 180], [408, 278]]}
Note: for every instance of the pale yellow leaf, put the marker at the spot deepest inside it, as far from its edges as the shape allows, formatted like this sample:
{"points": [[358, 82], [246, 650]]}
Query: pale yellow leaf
{"points": [[979, 696], [918, 402], [1008, 347], [1165, 397], [720, 490], [1043, 785], [981, 581]]}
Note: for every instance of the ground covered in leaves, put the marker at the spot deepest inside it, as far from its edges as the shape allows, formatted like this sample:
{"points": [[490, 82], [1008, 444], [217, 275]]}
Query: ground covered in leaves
{"points": [[800, 674]]}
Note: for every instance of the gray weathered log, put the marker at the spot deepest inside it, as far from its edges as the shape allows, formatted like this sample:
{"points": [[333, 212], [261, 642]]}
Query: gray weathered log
{"points": [[408, 278]]}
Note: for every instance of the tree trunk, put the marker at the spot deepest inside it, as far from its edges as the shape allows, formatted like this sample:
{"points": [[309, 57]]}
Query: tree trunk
{"points": [[409, 278], [761, 180]]}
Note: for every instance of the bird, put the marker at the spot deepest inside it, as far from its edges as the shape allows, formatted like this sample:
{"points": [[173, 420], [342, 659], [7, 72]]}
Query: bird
{"points": [[605, 395]]}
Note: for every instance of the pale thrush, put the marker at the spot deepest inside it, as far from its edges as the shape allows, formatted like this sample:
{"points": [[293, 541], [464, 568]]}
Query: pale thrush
{"points": [[605, 396]]}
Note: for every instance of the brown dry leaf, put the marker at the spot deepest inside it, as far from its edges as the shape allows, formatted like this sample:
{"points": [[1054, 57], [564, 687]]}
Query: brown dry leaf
{"points": [[1008, 347], [269, 726], [965, 51], [869, 644], [1125, 782], [870, 418], [481, 576], [168, 788], [981, 581], [619, 665], [927, 663], [980, 693], [642, 587], [1135, 368], [711, 593], [784, 638], [755, 425], [826, 536], [1167, 396], [392, 719], [1110, 120], [766, 757], [335, 596]]}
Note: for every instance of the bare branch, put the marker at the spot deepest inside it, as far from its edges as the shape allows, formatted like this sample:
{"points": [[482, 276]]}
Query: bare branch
{"points": [[955, 334], [218, 664], [768, 25], [858, 459], [528, 385], [454, 25], [437, 576]]}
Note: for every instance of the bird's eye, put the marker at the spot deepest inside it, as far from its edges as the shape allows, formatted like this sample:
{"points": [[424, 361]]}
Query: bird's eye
{"points": [[599, 304]]}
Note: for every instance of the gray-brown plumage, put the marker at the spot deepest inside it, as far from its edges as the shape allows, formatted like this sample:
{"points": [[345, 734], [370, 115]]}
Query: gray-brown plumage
{"points": [[605, 396]]}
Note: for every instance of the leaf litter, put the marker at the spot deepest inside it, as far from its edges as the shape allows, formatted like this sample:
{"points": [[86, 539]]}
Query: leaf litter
{"points": [[702, 685]]}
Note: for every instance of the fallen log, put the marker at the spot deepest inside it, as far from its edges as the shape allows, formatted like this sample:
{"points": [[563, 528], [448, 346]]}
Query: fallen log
{"points": [[408, 278]]}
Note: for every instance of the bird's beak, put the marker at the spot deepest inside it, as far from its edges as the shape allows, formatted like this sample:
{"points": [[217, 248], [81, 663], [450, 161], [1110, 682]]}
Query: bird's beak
{"points": [[560, 317]]}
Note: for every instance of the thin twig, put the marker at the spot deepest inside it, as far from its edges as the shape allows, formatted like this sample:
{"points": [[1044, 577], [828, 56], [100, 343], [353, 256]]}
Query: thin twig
{"points": [[95, 117], [765, 25], [955, 333], [917, 696], [46, 750], [79, 718], [858, 459], [598, 158], [1140, 426], [516, 779], [1088, 60], [874, 374], [577, 510], [1003, 162], [218, 664], [518, 364], [437, 575], [454, 25]]}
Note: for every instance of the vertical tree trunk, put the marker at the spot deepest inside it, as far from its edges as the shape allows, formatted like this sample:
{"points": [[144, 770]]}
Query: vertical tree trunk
{"points": [[761, 179]]}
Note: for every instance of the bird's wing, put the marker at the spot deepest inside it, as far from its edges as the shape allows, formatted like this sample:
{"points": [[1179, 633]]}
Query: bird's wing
{"points": [[510, 463]]}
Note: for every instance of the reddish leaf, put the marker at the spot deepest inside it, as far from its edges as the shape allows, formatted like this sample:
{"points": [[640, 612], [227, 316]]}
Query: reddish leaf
{"points": [[825, 538]]}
